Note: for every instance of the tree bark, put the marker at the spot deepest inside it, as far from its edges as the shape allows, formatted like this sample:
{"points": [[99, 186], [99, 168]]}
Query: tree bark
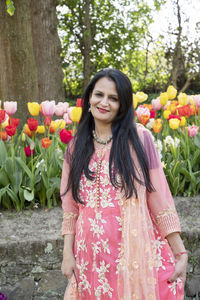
{"points": [[18, 74], [47, 49], [87, 43]]}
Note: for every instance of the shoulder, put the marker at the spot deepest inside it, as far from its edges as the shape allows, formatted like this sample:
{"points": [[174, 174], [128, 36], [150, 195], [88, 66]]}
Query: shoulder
{"points": [[143, 133]]}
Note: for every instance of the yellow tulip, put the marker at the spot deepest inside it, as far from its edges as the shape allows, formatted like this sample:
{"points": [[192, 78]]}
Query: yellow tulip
{"points": [[141, 97], [23, 137], [163, 98], [135, 101], [183, 121], [41, 129], [172, 108], [174, 123], [61, 124], [171, 92], [53, 126], [5, 123], [166, 114], [182, 99], [191, 100], [34, 108], [76, 114]]}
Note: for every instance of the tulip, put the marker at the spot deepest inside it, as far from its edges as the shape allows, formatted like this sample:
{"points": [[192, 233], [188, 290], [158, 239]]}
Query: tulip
{"points": [[76, 114], [185, 110], [174, 123], [32, 124], [183, 121], [67, 119], [61, 108], [157, 126], [28, 151], [47, 121], [60, 123], [65, 136], [197, 100], [34, 108], [53, 126], [171, 92], [192, 130], [2, 115], [191, 100], [142, 111], [152, 114], [10, 107], [3, 135], [27, 130], [41, 129], [14, 122], [156, 104], [141, 97], [46, 142], [163, 98], [174, 117], [182, 99], [48, 108], [135, 102], [144, 119], [79, 102], [23, 137], [166, 114], [172, 107], [10, 129]]}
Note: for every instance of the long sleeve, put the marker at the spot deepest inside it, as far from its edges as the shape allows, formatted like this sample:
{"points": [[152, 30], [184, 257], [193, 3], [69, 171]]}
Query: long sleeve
{"points": [[69, 206], [160, 202]]}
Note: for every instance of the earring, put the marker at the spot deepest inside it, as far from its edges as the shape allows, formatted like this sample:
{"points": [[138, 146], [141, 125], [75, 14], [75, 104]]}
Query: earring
{"points": [[89, 110]]}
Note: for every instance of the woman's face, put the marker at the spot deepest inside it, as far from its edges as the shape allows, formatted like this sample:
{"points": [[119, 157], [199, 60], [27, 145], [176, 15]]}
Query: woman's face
{"points": [[104, 101]]}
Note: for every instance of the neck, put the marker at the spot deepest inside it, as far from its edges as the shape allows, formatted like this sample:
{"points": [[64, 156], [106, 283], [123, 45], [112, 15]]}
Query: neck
{"points": [[103, 131]]}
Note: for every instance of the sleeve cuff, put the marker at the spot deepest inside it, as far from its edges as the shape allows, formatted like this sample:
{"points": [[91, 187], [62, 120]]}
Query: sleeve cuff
{"points": [[168, 224], [69, 223]]}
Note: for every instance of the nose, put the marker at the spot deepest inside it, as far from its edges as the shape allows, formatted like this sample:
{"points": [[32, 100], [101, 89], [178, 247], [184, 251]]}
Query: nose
{"points": [[104, 101]]}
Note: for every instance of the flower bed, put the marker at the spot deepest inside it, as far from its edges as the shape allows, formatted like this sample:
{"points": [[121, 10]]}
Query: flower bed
{"points": [[31, 161]]}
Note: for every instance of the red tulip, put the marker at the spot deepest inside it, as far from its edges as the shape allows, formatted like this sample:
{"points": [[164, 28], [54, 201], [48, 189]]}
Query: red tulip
{"points": [[10, 129], [174, 117], [14, 122], [79, 102], [65, 136], [28, 151], [47, 121], [2, 115], [32, 124]]}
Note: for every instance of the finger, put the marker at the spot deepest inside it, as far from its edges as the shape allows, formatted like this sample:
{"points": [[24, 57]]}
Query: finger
{"points": [[174, 277]]}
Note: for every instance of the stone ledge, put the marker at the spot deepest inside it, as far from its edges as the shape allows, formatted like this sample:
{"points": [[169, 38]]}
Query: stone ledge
{"points": [[31, 251]]}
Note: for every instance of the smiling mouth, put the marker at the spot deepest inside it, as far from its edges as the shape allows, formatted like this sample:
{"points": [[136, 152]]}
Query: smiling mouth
{"points": [[102, 110]]}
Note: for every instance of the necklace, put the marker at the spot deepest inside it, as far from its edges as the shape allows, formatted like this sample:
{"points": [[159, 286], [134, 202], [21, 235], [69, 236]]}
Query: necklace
{"points": [[100, 141]]}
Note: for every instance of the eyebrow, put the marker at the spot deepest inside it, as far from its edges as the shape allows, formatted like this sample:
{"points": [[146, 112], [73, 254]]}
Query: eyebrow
{"points": [[114, 95]]}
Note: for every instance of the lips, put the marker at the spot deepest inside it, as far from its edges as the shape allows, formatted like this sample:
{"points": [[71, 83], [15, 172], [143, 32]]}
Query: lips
{"points": [[102, 110]]}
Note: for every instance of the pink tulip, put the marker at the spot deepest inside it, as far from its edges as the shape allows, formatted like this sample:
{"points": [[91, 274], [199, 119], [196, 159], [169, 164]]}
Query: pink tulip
{"points": [[165, 107], [69, 111], [156, 104], [67, 119], [61, 108], [10, 107], [197, 100], [192, 130], [48, 108], [142, 111]]}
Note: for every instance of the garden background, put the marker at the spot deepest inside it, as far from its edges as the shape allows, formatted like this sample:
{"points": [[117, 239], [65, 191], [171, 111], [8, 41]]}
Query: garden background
{"points": [[48, 52]]}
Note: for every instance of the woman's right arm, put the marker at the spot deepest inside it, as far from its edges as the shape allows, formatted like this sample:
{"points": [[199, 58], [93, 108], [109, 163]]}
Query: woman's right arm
{"points": [[70, 215]]}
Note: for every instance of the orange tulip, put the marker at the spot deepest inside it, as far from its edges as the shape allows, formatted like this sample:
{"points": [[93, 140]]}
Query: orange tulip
{"points": [[144, 119], [157, 126], [46, 142], [3, 135]]}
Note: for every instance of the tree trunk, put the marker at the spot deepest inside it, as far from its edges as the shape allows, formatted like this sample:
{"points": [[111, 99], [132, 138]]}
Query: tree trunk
{"points": [[47, 48], [18, 74], [87, 42]]}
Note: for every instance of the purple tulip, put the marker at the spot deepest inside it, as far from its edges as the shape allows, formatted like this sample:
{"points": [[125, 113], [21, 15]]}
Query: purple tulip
{"points": [[2, 296]]}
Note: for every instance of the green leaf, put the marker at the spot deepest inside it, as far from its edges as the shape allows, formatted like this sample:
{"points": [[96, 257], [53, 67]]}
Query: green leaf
{"points": [[197, 140], [10, 7], [4, 180], [24, 166], [3, 153], [29, 196]]}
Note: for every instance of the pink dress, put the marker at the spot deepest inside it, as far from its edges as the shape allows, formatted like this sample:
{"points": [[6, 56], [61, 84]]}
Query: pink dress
{"points": [[120, 246]]}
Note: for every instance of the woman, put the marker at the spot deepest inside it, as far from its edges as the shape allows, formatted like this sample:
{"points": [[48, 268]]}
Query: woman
{"points": [[119, 216]]}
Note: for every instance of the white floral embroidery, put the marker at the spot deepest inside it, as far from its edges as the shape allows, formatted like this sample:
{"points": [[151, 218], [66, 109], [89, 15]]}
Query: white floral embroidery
{"points": [[95, 227], [173, 285], [81, 245], [84, 283], [120, 223], [105, 246], [80, 223], [106, 200], [104, 286]]}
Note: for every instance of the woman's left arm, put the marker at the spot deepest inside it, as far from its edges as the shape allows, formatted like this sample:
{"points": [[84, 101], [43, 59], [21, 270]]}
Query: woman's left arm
{"points": [[180, 253]]}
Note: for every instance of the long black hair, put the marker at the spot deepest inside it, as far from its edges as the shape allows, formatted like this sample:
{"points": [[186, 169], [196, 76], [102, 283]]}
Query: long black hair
{"points": [[125, 137]]}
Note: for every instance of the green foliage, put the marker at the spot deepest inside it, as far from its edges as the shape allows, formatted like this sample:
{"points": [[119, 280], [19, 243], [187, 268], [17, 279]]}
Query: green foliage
{"points": [[10, 7], [117, 30]]}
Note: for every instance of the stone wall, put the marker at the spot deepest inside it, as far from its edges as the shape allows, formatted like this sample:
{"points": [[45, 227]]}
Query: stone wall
{"points": [[31, 252]]}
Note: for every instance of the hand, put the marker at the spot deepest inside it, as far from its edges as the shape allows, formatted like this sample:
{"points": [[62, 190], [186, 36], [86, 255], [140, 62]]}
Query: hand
{"points": [[180, 268], [68, 266]]}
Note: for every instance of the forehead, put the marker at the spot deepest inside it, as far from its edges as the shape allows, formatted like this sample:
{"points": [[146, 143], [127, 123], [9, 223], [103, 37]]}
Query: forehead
{"points": [[106, 84]]}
